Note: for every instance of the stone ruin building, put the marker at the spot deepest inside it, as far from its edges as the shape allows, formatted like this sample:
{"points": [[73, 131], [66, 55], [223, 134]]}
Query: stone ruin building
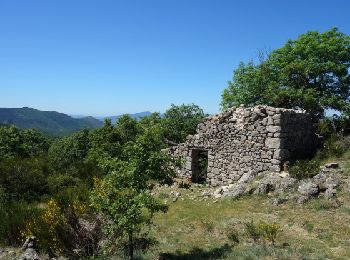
{"points": [[243, 142]]}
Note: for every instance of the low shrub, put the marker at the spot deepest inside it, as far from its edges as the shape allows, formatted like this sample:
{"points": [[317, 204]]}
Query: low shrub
{"points": [[59, 182], [63, 226], [46, 228], [253, 231], [334, 146], [13, 217], [24, 179], [303, 169], [334, 125], [269, 231], [262, 231]]}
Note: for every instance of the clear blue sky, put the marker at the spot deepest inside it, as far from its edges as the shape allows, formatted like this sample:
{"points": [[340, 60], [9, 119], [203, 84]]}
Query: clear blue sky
{"points": [[99, 57]]}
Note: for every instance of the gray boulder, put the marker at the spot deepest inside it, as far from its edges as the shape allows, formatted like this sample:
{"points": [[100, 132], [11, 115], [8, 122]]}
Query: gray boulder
{"points": [[219, 192], [277, 183], [29, 243], [29, 250], [308, 189], [30, 254], [286, 184], [278, 201], [326, 179], [330, 193], [11, 254], [264, 188], [236, 191], [302, 199], [267, 184]]}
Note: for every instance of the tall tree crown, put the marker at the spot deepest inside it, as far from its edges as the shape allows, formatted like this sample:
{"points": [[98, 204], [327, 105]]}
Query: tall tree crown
{"points": [[311, 73]]}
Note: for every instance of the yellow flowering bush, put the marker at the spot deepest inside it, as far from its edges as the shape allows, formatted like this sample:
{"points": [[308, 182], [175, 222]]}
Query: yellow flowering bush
{"points": [[45, 227], [79, 208]]}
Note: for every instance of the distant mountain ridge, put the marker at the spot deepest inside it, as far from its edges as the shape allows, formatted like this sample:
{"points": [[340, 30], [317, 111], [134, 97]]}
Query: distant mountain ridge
{"points": [[137, 116], [49, 122]]}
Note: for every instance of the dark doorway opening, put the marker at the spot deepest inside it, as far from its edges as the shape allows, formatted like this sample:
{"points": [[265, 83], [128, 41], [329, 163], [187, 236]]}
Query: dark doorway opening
{"points": [[199, 166]]}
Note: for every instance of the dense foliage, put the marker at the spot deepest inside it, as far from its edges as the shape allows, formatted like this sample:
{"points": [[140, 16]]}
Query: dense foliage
{"points": [[311, 73], [47, 186], [179, 121]]}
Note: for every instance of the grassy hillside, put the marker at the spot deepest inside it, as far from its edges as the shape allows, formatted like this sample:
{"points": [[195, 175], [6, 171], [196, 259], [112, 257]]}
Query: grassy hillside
{"points": [[196, 227], [49, 122]]}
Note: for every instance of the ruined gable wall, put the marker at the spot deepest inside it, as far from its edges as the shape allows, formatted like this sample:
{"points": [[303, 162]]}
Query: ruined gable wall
{"points": [[243, 142]]}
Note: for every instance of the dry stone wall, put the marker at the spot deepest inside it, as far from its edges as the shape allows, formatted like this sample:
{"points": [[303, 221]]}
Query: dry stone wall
{"points": [[243, 142]]}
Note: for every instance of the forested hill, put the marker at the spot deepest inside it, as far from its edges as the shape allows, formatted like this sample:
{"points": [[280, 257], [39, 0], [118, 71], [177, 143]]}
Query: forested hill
{"points": [[49, 122]]}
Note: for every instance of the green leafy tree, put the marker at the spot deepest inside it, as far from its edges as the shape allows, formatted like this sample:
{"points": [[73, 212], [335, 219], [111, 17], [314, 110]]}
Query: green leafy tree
{"points": [[311, 73], [10, 142], [24, 179], [127, 128], [67, 151], [105, 142], [21, 143], [23, 166], [34, 143], [180, 121], [154, 119], [124, 194]]}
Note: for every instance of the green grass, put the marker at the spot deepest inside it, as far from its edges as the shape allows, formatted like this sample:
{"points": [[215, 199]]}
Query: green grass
{"points": [[200, 229]]}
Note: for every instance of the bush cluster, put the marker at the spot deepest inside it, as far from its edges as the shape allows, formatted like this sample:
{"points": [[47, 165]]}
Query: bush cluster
{"points": [[46, 183], [262, 231], [335, 144]]}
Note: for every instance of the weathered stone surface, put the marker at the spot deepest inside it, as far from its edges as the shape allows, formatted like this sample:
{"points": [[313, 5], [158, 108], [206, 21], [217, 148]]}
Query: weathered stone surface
{"points": [[286, 184], [330, 193], [308, 189], [30, 254], [236, 191], [273, 128], [302, 199], [264, 188], [325, 179], [278, 201], [243, 142], [273, 143], [273, 182], [29, 243], [29, 250]]}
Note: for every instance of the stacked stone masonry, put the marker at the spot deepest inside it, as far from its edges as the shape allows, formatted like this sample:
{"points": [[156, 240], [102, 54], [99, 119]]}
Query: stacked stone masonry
{"points": [[243, 142]]}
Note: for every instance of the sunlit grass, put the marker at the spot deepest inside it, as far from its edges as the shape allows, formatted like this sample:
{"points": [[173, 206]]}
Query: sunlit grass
{"points": [[197, 229]]}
